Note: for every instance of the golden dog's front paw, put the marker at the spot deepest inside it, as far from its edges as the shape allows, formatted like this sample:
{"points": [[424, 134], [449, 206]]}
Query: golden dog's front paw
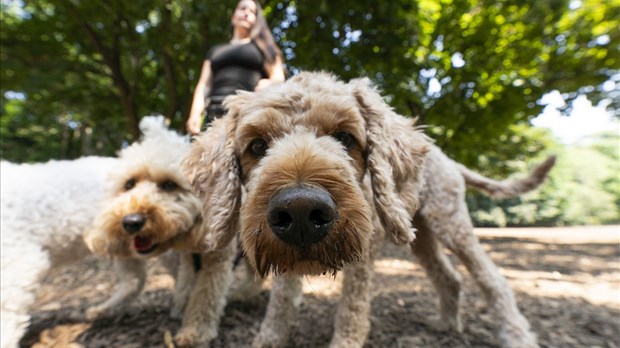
{"points": [[187, 337], [192, 337], [339, 341]]}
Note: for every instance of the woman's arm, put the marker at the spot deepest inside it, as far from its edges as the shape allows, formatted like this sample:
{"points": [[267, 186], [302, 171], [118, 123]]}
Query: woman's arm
{"points": [[276, 74], [198, 102]]}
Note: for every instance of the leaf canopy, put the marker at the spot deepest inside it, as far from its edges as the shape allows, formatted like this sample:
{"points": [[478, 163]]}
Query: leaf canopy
{"points": [[84, 72]]}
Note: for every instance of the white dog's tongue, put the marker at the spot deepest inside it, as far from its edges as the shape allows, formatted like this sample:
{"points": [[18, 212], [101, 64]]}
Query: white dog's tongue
{"points": [[142, 243]]}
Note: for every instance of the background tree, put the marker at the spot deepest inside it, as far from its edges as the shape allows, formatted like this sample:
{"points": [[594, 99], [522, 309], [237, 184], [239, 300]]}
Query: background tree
{"points": [[96, 68], [78, 75], [583, 189], [469, 69]]}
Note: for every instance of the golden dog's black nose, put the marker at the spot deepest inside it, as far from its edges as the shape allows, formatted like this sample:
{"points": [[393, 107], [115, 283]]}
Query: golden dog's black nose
{"points": [[301, 215], [133, 223]]}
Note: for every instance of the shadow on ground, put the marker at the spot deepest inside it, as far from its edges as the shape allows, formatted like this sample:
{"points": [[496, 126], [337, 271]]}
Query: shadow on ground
{"points": [[569, 292]]}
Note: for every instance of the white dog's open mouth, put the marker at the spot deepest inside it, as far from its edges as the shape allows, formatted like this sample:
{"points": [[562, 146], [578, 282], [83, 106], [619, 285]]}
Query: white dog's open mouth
{"points": [[144, 244]]}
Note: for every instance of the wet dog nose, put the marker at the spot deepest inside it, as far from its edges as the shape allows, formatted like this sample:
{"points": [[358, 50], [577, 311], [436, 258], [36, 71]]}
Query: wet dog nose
{"points": [[301, 215], [133, 223]]}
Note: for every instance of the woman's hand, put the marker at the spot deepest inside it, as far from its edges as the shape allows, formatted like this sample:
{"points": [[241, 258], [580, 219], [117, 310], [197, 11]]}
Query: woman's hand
{"points": [[262, 83], [198, 101], [193, 125], [275, 73]]}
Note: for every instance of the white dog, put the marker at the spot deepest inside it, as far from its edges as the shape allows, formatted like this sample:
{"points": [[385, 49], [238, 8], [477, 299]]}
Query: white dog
{"points": [[45, 208], [149, 208]]}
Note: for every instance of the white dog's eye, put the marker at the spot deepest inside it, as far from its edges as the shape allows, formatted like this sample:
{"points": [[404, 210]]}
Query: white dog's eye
{"points": [[345, 139], [258, 147], [168, 185], [129, 184]]}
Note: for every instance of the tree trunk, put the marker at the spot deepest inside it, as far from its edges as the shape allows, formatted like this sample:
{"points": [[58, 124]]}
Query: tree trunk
{"points": [[112, 58]]}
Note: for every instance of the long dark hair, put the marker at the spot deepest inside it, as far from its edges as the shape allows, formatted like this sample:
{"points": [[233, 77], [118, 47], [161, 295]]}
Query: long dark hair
{"points": [[262, 36]]}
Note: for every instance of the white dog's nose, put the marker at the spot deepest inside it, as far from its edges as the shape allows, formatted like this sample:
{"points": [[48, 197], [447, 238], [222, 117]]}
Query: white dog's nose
{"points": [[133, 223], [301, 215]]}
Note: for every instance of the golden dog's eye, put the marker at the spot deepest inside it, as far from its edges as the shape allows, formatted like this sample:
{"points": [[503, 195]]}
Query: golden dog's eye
{"points": [[168, 185], [129, 184], [345, 139], [258, 148]]}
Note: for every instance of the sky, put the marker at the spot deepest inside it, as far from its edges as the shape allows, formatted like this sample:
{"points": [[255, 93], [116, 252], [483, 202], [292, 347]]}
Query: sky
{"points": [[585, 119]]}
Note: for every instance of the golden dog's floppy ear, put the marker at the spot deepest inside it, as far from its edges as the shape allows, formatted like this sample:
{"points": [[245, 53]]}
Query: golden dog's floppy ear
{"points": [[213, 171], [396, 154]]}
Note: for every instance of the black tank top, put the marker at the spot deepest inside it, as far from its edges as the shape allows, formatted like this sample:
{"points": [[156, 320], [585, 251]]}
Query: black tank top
{"points": [[235, 67]]}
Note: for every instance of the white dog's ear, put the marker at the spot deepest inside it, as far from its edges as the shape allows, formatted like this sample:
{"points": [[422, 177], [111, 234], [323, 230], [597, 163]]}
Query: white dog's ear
{"points": [[213, 171], [99, 243], [93, 241], [396, 154]]}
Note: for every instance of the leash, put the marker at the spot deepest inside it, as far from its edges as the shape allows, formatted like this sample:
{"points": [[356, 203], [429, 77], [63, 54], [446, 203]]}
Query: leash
{"points": [[197, 262]]}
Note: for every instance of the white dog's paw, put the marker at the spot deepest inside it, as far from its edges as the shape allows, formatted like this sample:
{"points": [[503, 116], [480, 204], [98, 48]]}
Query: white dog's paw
{"points": [[96, 312], [518, 337]]}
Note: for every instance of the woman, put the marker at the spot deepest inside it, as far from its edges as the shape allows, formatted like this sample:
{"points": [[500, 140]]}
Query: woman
{"points": [[250, 61]]}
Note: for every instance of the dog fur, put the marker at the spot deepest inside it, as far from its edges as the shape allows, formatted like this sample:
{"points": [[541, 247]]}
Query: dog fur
{"points": [[316, 144], [149, 208], [45, 208]]}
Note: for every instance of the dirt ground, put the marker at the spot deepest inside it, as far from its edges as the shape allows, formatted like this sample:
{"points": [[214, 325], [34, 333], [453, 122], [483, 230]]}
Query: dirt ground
{"points": [[566, 280]]}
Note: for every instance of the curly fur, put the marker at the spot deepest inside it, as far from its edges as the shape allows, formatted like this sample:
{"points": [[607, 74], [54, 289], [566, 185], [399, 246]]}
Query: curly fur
{"points": [[215, 184], [44, 207], [390, 179], [147, 185], [314, 161], [137, 185]]}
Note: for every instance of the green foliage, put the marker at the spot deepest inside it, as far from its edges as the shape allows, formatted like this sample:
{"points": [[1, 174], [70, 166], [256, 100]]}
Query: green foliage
{"points": [[22, 136], [583, 189], [100, 66], [511, 54], [78, 75], [104, 65]]}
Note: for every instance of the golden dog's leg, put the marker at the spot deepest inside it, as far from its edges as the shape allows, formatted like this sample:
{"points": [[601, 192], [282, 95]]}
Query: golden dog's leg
{"points": [[444, 277], [515, 331], [184, 282], [458, 236], [353, 316], [207, 299], [286, 291], [247, 284]]}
